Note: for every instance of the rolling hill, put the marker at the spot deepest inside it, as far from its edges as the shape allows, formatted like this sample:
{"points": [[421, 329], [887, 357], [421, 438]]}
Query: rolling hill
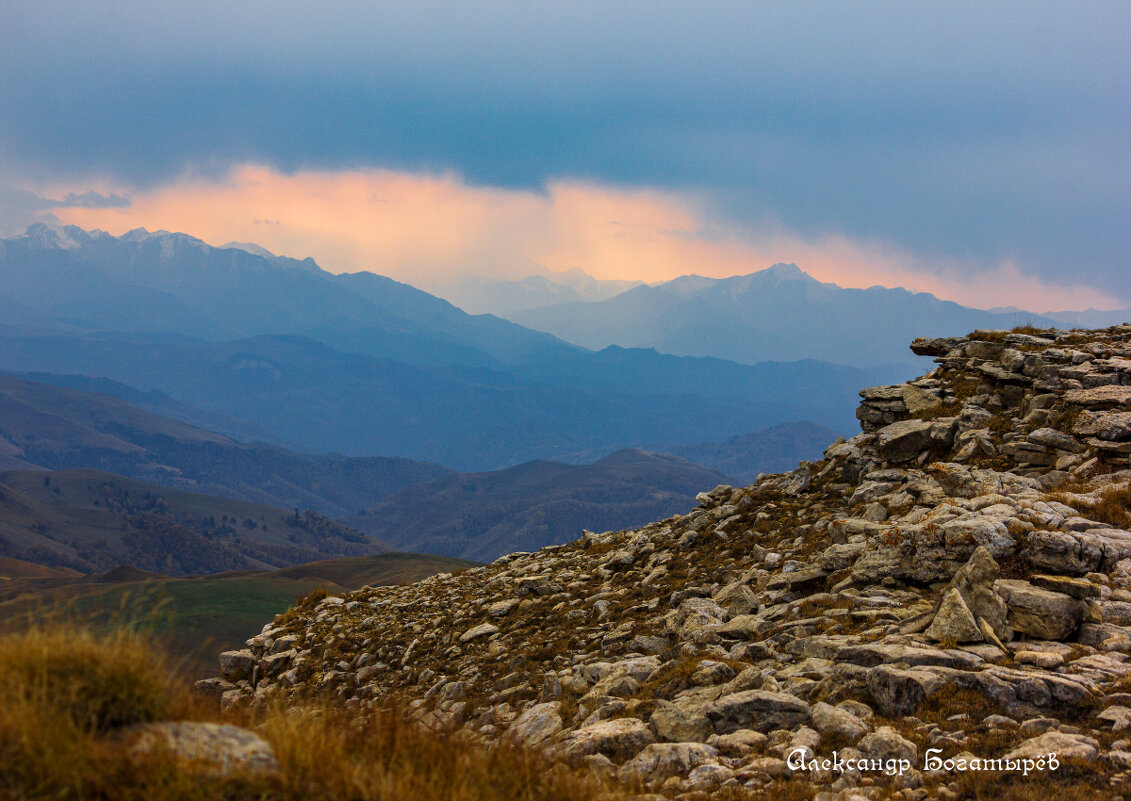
{"points": [[484, 515], [91, 521], [60, 427], [773, 450]]}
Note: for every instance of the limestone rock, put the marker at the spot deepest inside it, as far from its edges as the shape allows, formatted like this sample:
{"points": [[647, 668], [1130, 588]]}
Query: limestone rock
{"points": [[1041, 613], [538, 723], [953, 622], [482, 630], [236, 665], [661, 760], [837, 722], [618, 739], [974, 581], [898, 692], [886, 743], [757, 709], [1065, 746], [903, 440]]}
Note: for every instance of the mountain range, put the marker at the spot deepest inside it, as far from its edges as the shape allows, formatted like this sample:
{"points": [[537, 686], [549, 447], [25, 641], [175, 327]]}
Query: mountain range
{"points": [[59, 427], [279, 350], [778, 313]]}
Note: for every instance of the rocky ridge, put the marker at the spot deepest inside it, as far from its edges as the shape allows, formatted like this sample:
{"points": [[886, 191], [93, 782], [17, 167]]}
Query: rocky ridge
{"points": [[956, 577]]}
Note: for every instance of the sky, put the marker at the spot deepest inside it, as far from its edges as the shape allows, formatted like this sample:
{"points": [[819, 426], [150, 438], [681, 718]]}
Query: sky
{"points": [[979, 151]]}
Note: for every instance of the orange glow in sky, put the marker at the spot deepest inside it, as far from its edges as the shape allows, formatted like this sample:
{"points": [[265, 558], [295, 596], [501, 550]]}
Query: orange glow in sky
{"points": [[427, 229]]}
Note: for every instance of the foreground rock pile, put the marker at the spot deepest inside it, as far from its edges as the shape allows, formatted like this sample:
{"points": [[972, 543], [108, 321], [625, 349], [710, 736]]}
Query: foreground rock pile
{"points": [[955, 581]]}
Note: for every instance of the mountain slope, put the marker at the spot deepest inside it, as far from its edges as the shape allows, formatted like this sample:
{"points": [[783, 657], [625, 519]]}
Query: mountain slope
{"points": [[772, 450], [953, 580], [90, 520], [162, 281], [484, 515], [778, 313], [59, 427]]}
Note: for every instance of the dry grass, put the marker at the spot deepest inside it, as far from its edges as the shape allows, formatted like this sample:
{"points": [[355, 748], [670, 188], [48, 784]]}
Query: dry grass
{"points": [[67, 697], [1113, 506]]}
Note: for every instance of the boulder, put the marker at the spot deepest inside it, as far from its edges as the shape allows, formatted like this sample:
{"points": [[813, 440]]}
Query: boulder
{"points": [[837, 722], [898, 692], [482, 630], [886, 743], [1065, 746], [974, 581], [618, 739], [1039, 613], [215, 748], [537, 724], [661, 760], [761, 710], [953, 623], [903, 441], [682, 720], [236, 665]]}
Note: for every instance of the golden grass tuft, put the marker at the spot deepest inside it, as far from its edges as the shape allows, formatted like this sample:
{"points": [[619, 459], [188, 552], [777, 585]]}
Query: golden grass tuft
{"points": [[1112, 507]]}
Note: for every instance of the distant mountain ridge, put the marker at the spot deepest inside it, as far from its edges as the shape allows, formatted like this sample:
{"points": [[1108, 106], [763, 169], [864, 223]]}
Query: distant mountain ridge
{"points": [[478, 295], [57, 428], [482, 516], [780, 313]]}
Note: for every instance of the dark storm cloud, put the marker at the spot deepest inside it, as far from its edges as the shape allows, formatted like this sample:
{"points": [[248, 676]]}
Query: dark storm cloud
{"points": [[979, 131]]}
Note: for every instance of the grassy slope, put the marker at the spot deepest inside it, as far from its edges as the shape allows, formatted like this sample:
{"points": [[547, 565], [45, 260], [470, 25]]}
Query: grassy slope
{"points": [[196, 618]]}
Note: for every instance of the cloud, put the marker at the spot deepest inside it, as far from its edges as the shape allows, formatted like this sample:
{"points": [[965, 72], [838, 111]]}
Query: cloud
{"points": [[426, 228], [90, 200], [985, 132], [20, 207]]}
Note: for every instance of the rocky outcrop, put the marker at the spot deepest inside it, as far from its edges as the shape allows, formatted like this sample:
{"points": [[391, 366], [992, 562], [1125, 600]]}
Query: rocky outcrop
{"points": [[961, 567]]}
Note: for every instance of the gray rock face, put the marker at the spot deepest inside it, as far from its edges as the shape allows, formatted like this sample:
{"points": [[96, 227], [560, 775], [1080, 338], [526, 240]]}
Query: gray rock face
{"points": [[661, 760], [682, 720], [482, 630], [904, 440], [1041, 613], [237, 665], [837, 722], [899, 692], [886, 743], [1065, 746], [759, 710], [975, 583]]}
